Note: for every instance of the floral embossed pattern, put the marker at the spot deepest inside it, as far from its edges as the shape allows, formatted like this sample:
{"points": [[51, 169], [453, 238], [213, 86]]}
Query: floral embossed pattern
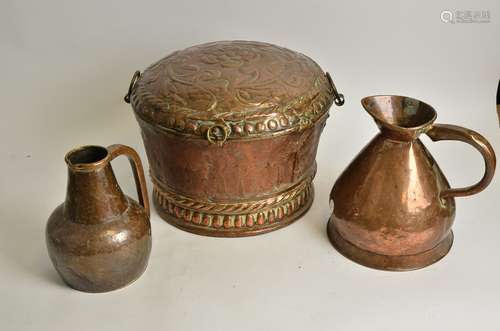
{"points": [[247, 89]]}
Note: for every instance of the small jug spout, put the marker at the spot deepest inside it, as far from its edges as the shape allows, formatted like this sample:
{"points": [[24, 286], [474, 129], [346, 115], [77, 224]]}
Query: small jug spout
{"points": [[399, 116]]}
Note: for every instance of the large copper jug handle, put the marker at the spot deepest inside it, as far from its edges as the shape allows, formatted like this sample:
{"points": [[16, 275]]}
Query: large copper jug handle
{"points": [[135, 161], [453, 132]]}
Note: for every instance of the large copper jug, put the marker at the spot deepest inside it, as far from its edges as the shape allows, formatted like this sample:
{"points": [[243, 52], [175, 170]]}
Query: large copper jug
{"points": [[392, 207]]}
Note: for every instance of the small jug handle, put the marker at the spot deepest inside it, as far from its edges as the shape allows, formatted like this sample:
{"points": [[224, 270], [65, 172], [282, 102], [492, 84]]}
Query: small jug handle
{"points": [[135, 161], [453, 132]]}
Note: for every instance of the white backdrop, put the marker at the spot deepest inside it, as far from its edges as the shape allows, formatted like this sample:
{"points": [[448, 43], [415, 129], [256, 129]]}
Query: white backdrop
{"points": [[66, 67]]}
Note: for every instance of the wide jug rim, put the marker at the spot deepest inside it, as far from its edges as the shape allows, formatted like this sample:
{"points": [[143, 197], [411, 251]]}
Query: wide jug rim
{"points": [[400, 113], [87, 158]]}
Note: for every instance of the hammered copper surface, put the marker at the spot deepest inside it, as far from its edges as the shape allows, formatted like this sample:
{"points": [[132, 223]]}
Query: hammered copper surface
{"points": [[231, 131], [99, 239], [392, 207]]}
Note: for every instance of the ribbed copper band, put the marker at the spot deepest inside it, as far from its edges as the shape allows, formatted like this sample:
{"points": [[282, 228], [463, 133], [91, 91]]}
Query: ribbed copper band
{"points": [[233, 218]]}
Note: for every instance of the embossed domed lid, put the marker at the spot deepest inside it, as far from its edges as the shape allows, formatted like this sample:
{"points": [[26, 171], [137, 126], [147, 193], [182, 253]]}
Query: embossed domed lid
{"points": [[233, 90]]}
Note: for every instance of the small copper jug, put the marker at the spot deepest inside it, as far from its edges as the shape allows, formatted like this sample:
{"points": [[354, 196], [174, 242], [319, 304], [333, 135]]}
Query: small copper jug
{"points": [[99, 239], [392, 207]]}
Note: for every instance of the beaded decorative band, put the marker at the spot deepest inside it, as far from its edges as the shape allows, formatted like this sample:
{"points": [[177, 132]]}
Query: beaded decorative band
{"points": [[233, 219]]}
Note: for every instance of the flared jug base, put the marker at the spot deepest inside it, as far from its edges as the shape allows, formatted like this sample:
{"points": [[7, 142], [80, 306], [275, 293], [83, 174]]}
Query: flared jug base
{"points": [[388, 262]]}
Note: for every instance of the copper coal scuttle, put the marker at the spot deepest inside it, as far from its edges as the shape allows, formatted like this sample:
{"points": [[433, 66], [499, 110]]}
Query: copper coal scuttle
{"points": [[231, 131]]}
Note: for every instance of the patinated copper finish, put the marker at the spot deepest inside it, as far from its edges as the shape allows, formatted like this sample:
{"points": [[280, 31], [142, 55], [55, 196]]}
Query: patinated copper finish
{"points": [[231, 131], [99, 239], [392, 207]]}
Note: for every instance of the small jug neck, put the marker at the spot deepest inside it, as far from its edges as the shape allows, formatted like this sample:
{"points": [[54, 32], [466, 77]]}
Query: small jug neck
{"points": [[93, 195]]}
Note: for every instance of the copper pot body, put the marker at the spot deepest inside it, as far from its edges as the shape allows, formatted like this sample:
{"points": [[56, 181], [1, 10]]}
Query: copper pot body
{"points": [[99, 239], [241, 188], [231, 131], [393, 208]]}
